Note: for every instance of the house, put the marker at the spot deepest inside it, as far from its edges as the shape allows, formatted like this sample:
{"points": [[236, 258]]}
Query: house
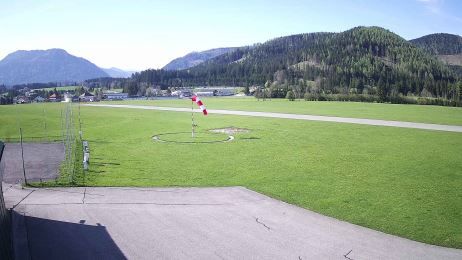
{"points": [[54, 98], [22, 100], [87, 97]]}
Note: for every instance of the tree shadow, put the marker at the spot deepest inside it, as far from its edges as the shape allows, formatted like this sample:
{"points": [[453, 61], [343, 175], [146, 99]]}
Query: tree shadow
{"points": [[51, 239]]}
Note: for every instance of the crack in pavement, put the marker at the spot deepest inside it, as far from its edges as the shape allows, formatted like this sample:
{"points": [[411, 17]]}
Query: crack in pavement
{"points": [[84, 193], [263, 224], [132, 203], [346, 255], [75, 192], [14, 206]]}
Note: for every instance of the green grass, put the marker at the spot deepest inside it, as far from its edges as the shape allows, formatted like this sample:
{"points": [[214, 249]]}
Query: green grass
{"points": [[400, 181], [411, 113]]}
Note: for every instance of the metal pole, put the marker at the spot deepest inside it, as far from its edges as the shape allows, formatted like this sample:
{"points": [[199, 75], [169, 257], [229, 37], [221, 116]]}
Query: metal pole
{"points": [[80, 124], [192, 118], [45, 122], [62, 127], [22, 156]]}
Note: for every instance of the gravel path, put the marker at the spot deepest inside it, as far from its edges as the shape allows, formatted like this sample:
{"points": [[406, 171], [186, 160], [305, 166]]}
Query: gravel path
{"points": [[190, 223], [361, 121]]}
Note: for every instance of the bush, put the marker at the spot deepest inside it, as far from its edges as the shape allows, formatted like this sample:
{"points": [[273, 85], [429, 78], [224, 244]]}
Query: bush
{"points": [[290, 95]]}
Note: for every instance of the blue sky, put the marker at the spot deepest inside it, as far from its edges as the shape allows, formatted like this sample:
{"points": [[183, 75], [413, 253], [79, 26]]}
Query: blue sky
{"points": [[148, 34]]}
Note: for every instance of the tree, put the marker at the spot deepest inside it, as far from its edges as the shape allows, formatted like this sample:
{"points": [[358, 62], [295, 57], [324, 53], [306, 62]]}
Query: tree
{"points": [[290, 95], [246, 90]]}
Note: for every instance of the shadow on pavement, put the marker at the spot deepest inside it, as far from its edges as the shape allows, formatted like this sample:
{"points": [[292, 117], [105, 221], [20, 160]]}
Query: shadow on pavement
{"points": [[50, 239]]}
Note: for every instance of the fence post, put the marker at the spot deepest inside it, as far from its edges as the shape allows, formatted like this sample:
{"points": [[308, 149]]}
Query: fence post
{"points": [[22, 156]]}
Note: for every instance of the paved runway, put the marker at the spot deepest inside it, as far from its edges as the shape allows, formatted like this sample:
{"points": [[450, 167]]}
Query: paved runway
{"points": [[361, 121], [190, 223]]}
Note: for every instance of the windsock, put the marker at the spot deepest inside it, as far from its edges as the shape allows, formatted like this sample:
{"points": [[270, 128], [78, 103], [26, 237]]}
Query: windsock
{"points": [[200, 104]]}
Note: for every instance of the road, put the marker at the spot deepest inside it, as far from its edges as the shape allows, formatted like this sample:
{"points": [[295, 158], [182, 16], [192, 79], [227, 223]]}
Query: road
{"points": [[361, 121], [190, 223]]}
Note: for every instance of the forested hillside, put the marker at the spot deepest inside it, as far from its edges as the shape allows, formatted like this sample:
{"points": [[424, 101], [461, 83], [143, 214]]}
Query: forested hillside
{"points": [[364, 62], [447, 47], [440, 43], [195, 58]]}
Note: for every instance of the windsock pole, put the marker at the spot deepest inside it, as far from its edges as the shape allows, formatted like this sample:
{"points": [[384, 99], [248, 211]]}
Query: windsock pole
{"points": [[192, 118]]}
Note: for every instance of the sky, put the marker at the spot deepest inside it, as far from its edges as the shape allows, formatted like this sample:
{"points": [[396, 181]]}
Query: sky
{"points": [[142, 34]]}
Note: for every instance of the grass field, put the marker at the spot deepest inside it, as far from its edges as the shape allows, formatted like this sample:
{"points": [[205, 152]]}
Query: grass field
{"points": [[411, 113], [400, 181]]}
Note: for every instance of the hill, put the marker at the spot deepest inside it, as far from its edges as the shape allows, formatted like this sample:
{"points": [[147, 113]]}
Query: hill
{"points": [[362, 60], [42, 66], [448, 48], [440, 43], [195, 58]]}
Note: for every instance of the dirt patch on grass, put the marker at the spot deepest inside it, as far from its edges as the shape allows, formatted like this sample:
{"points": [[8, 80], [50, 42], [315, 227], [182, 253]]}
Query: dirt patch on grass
{"points": [[230, 130]]}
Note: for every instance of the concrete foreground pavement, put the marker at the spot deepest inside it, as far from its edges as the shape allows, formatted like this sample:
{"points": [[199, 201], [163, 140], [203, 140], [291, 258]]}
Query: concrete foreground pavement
{"points": [[190, 223], [361, 121]]}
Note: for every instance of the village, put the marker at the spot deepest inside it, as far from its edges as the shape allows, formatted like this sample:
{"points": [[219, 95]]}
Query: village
{"points": [[84, 94]]}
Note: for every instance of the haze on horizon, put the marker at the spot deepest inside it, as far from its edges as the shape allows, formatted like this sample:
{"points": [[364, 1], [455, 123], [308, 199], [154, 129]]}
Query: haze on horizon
{"points": [[137, 35]]}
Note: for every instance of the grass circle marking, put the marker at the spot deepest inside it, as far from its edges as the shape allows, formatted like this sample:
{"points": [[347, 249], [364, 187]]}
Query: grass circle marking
{"points": [[186, 138]]}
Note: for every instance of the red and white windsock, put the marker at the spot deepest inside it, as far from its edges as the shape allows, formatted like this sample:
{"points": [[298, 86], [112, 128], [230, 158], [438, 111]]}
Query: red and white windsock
{"points": [[200, 104]]}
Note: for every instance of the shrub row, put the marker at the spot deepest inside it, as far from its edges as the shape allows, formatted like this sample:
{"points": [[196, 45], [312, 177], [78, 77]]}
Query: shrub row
{"points": [[399, 99]]}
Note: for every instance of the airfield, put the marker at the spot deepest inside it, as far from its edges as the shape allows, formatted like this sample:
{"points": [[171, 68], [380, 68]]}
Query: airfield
{"points": [[286, 187]]}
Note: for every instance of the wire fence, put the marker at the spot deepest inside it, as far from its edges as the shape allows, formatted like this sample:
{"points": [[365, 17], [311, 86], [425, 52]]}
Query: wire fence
{"points": [[71, 168]]}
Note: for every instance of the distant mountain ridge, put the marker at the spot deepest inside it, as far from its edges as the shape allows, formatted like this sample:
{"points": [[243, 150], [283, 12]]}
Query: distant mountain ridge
{"points": [[195, 58], [118, 73], [43, 66]]}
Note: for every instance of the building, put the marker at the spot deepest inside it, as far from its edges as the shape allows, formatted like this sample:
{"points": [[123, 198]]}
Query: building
{"points": [[115, 96], [205, 93], [22, 100], [87, 97], [54, 98]]}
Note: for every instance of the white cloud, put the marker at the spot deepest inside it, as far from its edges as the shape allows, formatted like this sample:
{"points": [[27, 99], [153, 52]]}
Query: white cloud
{"points": [[433, 6]]}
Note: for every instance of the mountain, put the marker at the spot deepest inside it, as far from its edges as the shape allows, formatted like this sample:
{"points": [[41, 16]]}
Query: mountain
{"points": [[367, 60], [42, 66], [195, 58], [118, 73]]}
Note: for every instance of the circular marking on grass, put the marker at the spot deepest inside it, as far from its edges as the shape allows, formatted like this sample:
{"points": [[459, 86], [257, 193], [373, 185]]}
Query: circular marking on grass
{"points": [[186, 138]]}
